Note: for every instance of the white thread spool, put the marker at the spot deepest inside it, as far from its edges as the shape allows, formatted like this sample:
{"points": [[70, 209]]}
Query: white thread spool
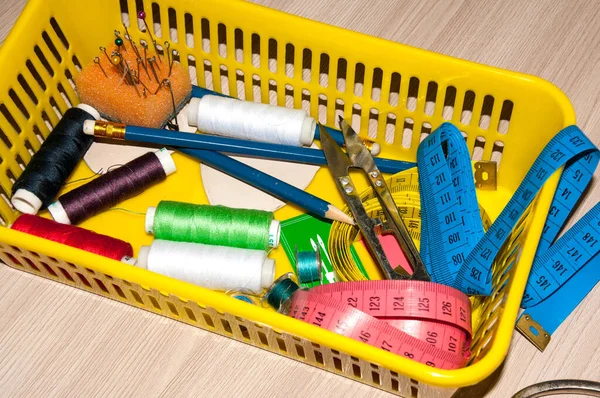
{"points": [[212, 267], [251, 121]]}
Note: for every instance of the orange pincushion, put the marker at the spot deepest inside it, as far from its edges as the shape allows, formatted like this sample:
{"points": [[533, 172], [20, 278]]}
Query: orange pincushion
{"points": [[120, 102]]}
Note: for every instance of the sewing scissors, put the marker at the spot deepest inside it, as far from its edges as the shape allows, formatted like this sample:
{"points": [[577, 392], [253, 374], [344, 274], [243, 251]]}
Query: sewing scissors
{"points": [[358, 156]]}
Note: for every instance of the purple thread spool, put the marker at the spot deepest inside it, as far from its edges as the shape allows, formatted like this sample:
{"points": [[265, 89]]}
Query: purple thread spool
{"points": [[106, 191]]}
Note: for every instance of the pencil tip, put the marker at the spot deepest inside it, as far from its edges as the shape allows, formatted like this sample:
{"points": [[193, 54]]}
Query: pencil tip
{"points": [[333, 213]]}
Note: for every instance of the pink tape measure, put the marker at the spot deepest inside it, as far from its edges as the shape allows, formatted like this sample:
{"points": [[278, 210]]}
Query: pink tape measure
{"points": [[424, 321]]}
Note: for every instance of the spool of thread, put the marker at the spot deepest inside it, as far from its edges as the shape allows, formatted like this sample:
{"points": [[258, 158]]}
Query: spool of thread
{"points": [[308, 266], [281, 291], [251, 121], [52, 164], [213, 225], [108, 190], [75, 236], [213, 267]]}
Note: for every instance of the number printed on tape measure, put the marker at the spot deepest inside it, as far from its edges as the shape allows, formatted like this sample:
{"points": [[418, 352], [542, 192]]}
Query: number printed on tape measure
{"points": [[402, 299], [463, 254], [555, 267], [437, 344]]}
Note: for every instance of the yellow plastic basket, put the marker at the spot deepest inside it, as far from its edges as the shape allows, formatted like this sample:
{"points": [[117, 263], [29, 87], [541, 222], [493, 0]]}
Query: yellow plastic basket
{"points": [[393, 94]]}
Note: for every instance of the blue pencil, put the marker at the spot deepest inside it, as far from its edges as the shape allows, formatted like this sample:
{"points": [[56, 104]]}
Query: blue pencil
{"points": [[252, 176], [268, 184], [199, 92], [242, 147]]}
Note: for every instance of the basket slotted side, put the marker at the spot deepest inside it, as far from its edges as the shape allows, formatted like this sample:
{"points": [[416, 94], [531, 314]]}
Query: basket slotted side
{"points": [[393, 94]]}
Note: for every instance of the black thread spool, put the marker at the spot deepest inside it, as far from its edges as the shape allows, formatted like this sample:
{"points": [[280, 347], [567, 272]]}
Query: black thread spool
{"points": [[54, 162]]}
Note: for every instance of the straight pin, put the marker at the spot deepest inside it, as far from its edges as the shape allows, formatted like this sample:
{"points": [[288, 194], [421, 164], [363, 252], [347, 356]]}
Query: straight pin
{"points": [[145, 89], [140, 61], [116, 61], [119, 41], [128, 36], [103, 49], [167, 47], [138, 70], [167, 83], [145, 46], [175, 53], [133, 75], [152, 62], [156, 48], [137, 53], [156, 64], [142, 16], [123, 68], [97, 62]]}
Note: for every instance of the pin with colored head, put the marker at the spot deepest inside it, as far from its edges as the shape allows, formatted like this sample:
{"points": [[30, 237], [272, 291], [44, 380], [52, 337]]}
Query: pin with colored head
{"points": [[116, 60], [142, 15], [119, 41]]}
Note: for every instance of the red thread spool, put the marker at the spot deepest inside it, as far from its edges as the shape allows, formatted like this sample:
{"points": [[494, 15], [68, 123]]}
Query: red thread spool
{"points": [[74, 236]]}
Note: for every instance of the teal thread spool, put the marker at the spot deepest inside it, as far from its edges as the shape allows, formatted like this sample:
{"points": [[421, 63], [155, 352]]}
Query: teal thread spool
{"points": [[281, 291], [308, 266], [213, 225]]}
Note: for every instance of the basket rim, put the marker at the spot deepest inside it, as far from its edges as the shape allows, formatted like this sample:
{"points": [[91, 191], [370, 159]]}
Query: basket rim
{"points": [[442, 378]]}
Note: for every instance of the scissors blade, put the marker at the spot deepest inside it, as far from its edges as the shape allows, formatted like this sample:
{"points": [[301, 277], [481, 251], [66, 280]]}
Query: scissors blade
{"points": [[337, 161], [361, 158], [338, 164], [358, 153]]}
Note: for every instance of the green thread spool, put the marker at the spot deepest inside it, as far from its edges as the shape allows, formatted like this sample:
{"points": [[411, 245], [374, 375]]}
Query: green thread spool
{"points": [[213, 225], [308, 266], [280, 292]]}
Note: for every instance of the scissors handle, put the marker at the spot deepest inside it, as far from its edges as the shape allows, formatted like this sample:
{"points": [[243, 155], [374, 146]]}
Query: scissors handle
{"points": [[368, 227], [396, 225]]}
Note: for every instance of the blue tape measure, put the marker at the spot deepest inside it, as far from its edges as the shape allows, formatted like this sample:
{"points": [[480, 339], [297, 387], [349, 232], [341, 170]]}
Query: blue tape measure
{"points": [[462, 254]]}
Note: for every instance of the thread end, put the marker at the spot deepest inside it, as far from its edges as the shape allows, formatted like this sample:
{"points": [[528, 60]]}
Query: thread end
{"points": [[268, 273], [58, 213], [149, 224], [192, 112], [88, 127], [166, 161], [26, 202]]}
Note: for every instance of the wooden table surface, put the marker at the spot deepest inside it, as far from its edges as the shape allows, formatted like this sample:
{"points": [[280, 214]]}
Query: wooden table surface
{"points": [[59, 341]]}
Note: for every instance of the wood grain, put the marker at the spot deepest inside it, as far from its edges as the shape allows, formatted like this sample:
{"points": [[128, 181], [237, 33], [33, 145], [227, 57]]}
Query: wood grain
{"points": [[57, 341]]}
